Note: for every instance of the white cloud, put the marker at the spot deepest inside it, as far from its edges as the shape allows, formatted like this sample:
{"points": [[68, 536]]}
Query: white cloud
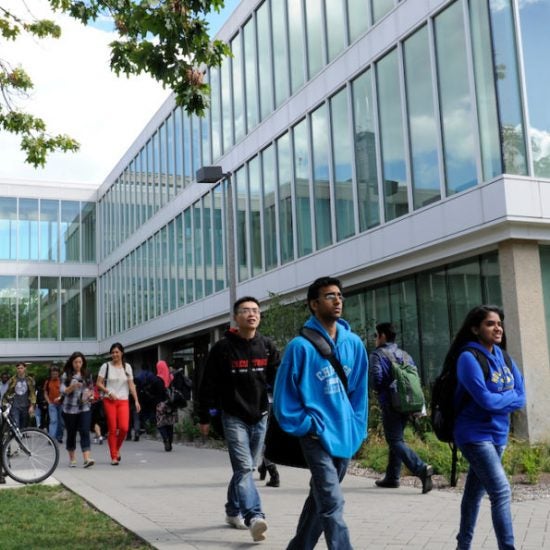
{"points": [[76, 93]]}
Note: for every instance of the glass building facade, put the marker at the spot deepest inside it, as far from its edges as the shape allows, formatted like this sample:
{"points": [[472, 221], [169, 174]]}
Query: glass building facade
{"points": [[401, 146]]}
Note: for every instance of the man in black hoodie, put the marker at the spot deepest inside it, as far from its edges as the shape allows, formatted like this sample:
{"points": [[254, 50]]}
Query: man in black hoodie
{"points": [[238, 372]]}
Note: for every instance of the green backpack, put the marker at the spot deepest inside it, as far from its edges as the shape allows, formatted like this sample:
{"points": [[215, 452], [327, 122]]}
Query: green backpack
{"points": [[406, 389]]}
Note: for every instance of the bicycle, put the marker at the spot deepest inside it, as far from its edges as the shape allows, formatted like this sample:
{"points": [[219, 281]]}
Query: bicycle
{"points": [[28, 455]]}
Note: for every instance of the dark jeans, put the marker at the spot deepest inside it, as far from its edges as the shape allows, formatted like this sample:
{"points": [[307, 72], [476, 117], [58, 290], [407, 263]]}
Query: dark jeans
{"points": [[20, 417], [79, 422], [394, 425], [323, 509]]}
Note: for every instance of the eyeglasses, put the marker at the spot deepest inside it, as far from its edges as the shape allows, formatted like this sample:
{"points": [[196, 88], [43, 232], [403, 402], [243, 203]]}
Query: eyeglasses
{"points": [[333, 296], [249, 310]]}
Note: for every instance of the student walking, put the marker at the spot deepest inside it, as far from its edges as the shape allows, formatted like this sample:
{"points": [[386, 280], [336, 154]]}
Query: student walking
{"points": [[239, 369], [326, 410], [394, 422], [484, 402], [52, 396], [22, 393], [78, 392], [116, 380]]}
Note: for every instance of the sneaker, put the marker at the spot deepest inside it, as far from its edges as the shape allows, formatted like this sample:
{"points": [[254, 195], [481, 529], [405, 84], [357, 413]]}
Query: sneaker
{"points": [[89, 463], [258, 526], [95, 440], [386, 483], [72, 464], [426, 478], [114, 462], [101, 438], [235, 521]]}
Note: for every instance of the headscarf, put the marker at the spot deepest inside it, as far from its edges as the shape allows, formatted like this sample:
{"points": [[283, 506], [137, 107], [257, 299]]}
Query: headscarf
{"points": [[163, 372]]}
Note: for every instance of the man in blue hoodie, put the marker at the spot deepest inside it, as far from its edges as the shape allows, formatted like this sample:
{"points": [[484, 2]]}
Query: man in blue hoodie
{"points": [[311, 403]]}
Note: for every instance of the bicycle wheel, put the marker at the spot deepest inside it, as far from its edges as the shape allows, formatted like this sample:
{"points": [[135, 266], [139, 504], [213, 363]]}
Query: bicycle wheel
{"points": [[31, 459]]}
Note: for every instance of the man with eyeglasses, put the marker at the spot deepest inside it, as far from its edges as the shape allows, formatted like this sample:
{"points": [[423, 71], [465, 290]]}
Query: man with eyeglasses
{"points": [[238, 372], [310, 402]]}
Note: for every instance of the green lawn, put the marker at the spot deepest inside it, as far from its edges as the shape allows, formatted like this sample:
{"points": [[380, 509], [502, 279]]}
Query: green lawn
{"points": [[43, 517]]}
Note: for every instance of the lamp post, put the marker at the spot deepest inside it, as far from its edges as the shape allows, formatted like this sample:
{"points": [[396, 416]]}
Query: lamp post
{"points": [[214, 174]]}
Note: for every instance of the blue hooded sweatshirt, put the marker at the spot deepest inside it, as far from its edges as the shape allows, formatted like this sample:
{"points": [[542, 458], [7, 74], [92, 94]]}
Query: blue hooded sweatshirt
{"points": [[309, 397], [484, 414]]}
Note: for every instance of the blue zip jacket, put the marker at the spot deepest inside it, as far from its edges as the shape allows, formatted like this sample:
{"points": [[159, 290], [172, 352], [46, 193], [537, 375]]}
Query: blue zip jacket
{"points": [[309, 397], [484, 415]]}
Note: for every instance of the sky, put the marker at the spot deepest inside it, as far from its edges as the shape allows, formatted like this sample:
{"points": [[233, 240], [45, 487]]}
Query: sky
{"points": [[76, 93]]}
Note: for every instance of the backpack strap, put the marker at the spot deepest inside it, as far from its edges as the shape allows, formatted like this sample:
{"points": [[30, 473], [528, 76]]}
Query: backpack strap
{"points": [[321, 344]]}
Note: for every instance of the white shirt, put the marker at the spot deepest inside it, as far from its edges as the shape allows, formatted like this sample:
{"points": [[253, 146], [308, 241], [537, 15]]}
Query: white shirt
{"points": [[117, 383]]}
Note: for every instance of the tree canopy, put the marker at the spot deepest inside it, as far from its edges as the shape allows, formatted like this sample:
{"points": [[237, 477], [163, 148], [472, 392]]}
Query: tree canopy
{"points": [[167, 39]]}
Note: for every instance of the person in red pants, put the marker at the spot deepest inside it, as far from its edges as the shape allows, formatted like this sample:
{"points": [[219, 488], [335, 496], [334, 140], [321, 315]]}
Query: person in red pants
{"points": [[116, 380]]}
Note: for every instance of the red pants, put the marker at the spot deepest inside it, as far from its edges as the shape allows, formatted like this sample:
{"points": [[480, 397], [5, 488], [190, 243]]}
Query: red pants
{"points": [[117, 413]]}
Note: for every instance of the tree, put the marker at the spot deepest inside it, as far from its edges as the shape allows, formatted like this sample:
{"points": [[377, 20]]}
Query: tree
{"points": [[168, 39]]}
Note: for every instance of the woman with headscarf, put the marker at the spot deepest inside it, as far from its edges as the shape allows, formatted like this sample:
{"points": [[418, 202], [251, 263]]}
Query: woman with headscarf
{"points": [[166, 414]]}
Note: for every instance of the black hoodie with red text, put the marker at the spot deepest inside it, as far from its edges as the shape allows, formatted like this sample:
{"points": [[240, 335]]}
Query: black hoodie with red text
{"points": [[237, 377]]}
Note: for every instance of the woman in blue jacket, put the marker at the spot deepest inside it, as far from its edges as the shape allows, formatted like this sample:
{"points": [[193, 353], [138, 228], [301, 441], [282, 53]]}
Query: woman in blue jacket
{"points": [[484, 402]]}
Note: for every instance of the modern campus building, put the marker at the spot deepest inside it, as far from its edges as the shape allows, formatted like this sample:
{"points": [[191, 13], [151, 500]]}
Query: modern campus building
{"points": [[401, 146]]}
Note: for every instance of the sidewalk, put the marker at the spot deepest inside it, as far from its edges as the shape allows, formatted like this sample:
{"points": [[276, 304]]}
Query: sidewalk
{"points": [[175, 501]]}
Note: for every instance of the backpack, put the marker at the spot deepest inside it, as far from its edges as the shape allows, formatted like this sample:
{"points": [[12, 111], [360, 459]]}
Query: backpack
{"points": [[406, 389], [179, 391], [443, 410]]}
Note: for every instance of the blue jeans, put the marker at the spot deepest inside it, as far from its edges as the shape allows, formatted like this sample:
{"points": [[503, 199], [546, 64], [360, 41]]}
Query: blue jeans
{"points": [[394, 425], [244, 443], [20, 417], [81, 423], [485, 474], [323, 509], [55, 428]]}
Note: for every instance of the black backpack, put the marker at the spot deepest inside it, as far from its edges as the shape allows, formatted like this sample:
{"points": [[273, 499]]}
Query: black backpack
{"points": [[179, 391], [443, 412]]}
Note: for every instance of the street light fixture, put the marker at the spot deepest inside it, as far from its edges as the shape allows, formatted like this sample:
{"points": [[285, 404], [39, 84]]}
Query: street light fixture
{"points": [[214, 174]]}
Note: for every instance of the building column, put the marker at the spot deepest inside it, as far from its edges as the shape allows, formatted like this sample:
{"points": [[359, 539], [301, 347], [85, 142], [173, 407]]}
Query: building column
{"points": [[525, 323]]}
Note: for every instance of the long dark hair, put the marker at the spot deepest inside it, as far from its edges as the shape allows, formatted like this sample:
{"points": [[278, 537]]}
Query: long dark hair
{"points": [[120, 347], [473, 319], [69, 369]]}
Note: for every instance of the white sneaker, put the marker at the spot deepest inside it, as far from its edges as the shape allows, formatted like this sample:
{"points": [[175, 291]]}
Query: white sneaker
{"points": [[235, 521], [258, 526]]}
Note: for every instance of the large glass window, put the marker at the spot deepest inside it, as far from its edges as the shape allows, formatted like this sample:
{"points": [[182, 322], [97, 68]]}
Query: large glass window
{"points": [[70, 308], [264, 60], [28, 229], [301, 188], [173, 267], [336, 27], [70, 231], [238, 92], [187, 151], [28, 307], [250, 74], [280, 58], [286, 224], [218, 238], [315, 36], [269, 204], [49, 308], [215, 112], [207, 232], [296, 43], [455, 100], [189, 262], [8, 228], [358, 18], [365, 152], [88, 231], [489, 138], [49, 230], [164, 268], [342, 150], [391, 137], [422, 122], [464, 290], [240, 186], [381, 8], [178, 146], [199, 248], [180, 260], [321, 177], [8, 307], [534, 18], [227, 111], [255, 186], [89, 328]]}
